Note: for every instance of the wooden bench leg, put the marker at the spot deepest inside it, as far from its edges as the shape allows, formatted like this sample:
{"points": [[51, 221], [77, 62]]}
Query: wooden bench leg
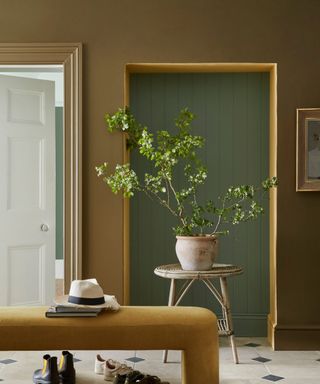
{"points": [[200, 366], [175, 300]]}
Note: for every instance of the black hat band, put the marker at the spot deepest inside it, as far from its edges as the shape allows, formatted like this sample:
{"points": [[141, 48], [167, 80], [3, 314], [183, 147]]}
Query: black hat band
{"points": [[86, 300]]}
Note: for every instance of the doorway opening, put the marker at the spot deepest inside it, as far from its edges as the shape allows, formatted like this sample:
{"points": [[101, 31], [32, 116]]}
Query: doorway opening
{"points": [[40, 135], [16, 80], [133, 71]]}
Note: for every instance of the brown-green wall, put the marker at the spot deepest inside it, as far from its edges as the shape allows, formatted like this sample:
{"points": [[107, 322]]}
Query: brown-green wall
{"points": [[116, 32]]}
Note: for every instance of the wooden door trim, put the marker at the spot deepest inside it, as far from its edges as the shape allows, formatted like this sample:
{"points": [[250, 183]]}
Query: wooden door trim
{"points": [[70, 56], [197, 67], [131, 68]]}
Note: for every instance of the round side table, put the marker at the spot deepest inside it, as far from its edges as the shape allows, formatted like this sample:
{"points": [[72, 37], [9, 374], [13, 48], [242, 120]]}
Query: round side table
{"points": [[219, 271]]}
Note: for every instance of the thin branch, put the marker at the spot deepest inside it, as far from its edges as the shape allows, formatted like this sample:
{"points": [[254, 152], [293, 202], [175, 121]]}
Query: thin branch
{"points": [[180, 207], [194, 195], [147, 193], [168, 192], [219, 219], [235, 203], [163, 202]]}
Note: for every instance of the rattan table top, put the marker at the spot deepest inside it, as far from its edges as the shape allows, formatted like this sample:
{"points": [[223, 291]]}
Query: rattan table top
{"points": [[174, 271]]}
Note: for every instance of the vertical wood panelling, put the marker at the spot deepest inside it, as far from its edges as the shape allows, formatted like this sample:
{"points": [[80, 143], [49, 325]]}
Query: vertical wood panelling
{"points": [[232, 112]]}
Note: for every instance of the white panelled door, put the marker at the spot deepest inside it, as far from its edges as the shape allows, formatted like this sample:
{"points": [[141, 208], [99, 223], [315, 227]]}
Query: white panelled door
{"points": [[27, 191]]}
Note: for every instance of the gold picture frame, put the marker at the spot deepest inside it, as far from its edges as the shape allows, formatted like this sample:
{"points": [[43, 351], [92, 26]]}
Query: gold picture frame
{"points": [[308, 149]]}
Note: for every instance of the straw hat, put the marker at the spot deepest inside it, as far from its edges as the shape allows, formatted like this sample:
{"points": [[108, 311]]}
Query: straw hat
{"points": [[88, 294]]}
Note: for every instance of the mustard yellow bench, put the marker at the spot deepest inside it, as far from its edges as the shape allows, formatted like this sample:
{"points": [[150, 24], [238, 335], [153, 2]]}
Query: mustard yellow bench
{"points": [[190, 329]]}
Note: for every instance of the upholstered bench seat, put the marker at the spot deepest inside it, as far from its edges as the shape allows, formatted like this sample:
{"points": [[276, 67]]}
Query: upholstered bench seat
{"points": [[190, 329]]}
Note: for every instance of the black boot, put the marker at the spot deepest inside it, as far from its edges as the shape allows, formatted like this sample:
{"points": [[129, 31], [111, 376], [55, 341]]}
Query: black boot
{"points": [[49, 373], [67, 372]]}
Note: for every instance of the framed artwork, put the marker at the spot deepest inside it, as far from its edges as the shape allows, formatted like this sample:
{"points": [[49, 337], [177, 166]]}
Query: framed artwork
{"points": [[308, 149]]}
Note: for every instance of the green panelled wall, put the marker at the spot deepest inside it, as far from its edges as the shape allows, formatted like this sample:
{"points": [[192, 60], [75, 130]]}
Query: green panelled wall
{"points": [[232, 112], [59, 182]]}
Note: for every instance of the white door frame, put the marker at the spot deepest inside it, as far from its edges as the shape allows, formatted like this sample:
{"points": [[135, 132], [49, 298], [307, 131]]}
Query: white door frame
{"points": [[70, 56]]}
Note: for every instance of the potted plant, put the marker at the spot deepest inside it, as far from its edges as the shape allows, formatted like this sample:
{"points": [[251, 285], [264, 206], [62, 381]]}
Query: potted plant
{"points": [[198, 223]]}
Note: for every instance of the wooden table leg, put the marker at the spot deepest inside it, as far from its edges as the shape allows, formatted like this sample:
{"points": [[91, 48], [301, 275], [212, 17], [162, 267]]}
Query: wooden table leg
{"points": [[171, 303], [228, 317]]}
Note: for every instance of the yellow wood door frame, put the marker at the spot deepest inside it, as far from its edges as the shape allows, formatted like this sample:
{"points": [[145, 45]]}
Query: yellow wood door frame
{"points": [[131, 68]]}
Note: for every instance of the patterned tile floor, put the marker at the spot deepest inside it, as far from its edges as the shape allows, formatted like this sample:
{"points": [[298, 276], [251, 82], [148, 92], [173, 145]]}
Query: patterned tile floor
{"points": [[258, 364]]}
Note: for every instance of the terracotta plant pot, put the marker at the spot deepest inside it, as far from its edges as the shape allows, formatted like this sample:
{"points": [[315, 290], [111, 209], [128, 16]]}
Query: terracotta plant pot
{"points": [[196, 253]]}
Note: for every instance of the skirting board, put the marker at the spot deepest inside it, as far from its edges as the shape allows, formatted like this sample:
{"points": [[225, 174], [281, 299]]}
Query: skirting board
{"points": [[294, 337], [59, 269], [249, 325]]}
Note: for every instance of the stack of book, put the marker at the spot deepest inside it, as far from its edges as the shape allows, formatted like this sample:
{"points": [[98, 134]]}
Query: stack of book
{"points": [[68, 311]]}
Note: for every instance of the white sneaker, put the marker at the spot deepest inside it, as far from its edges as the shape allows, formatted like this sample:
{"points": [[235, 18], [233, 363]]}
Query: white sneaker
{"points": [[109, 368], [98, 365], [113, 367]]}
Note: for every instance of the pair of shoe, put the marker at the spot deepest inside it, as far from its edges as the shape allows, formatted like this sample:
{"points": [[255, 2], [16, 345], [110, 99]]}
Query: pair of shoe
{"points": [[110, 368], [137, 377], [51, 373]]}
